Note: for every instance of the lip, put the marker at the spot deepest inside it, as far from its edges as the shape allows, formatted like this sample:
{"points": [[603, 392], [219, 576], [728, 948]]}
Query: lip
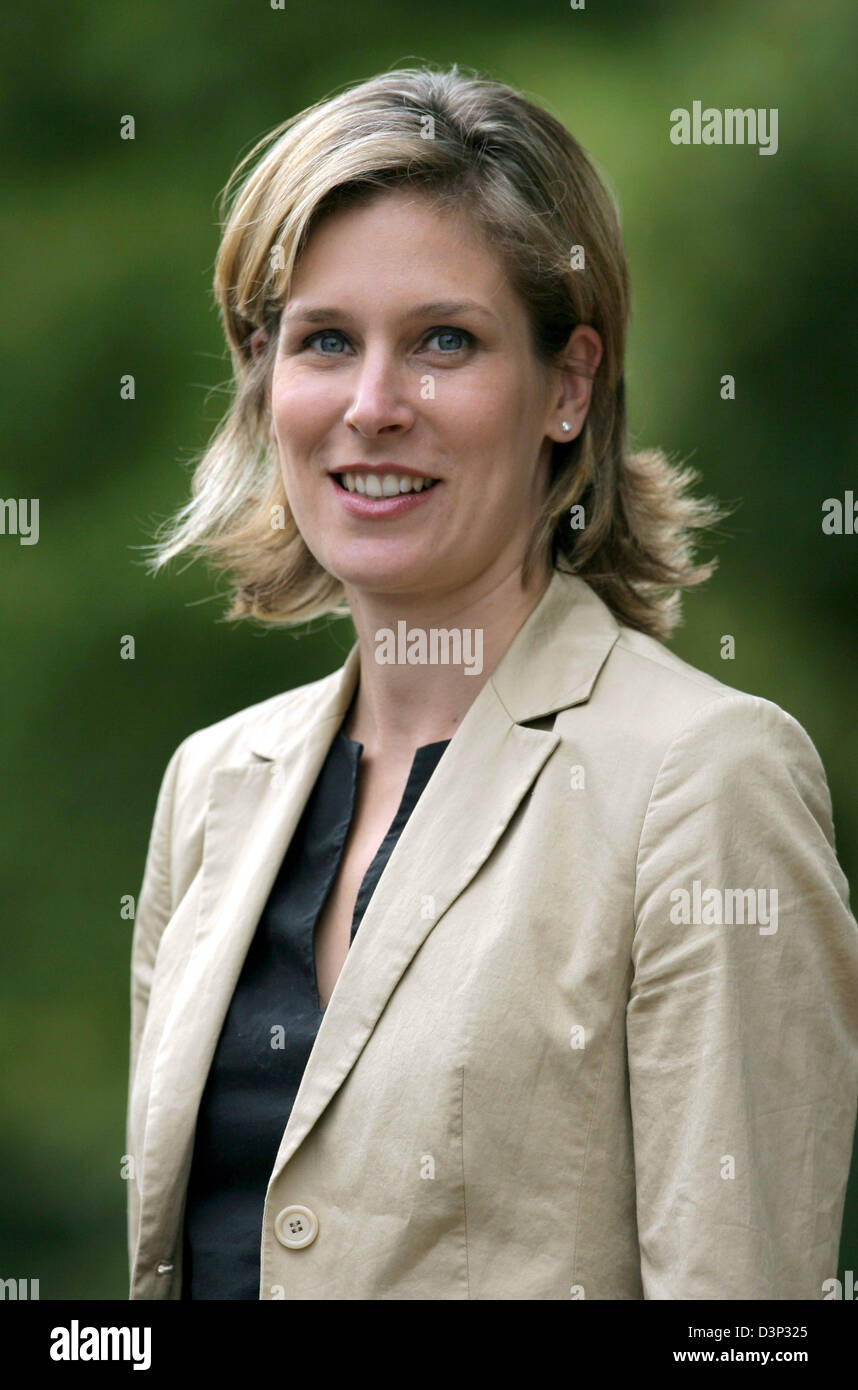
{"points": [[380, 468], [380, 508]]}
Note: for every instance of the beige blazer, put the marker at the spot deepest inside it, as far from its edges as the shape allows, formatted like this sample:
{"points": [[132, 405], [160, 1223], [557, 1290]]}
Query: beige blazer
{"points": [[597, 1034]]}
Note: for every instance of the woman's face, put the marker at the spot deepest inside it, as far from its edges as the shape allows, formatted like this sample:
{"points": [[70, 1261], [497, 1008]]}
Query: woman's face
{"points": [[405, 354]]}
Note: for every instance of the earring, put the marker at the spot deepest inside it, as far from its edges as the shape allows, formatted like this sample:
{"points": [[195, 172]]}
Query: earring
{"points": [[565, 425]]}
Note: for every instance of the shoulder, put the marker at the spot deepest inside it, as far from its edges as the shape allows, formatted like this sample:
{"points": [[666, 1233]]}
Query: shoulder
{"points": [[679, 740], [683, 707], [239, 731], [727, 761], [234, 740], [659, 676], [632, 698]]}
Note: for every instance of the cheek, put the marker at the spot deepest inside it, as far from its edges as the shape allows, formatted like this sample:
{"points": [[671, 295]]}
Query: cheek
{"points": [[488, 406], [298, 409], [499, 451], [489, 421]]}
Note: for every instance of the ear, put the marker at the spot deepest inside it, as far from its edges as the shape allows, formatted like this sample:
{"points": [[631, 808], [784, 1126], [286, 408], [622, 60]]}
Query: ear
{"points": [[257, 341], [578, 366]]}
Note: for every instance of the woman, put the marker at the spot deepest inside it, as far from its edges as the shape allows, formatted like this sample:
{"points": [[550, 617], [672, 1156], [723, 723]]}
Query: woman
{"points": [[513, 959]]}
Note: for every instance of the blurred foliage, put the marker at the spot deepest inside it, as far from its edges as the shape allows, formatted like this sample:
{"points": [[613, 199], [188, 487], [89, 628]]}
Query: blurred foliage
{"points": [[740, 263]]}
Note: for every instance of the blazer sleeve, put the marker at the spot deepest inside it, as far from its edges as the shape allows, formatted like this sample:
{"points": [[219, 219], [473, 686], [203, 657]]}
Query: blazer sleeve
{"points": [[742, 1035], [154, 908]]}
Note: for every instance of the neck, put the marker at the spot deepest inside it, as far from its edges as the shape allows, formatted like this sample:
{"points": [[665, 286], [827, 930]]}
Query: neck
{"points": [[401, 704]]}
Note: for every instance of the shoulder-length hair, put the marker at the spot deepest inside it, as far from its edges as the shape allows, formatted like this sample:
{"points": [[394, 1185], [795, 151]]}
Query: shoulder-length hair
{"points": [[529, 187]]}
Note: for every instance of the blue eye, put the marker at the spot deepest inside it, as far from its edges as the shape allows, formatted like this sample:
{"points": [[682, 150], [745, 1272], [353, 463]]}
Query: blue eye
{"points": [[467, 338], [333, 335], [325, 333]]}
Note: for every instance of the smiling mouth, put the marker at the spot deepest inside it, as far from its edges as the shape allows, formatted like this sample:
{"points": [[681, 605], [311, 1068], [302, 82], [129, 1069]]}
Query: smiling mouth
{"points": [[386, 485]]}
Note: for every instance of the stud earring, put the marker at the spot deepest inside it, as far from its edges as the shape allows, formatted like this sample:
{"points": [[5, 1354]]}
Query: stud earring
{"points": [[565, 425]]}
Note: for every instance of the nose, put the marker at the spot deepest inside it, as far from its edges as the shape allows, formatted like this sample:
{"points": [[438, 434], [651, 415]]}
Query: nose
{"points": [[380, 400]]}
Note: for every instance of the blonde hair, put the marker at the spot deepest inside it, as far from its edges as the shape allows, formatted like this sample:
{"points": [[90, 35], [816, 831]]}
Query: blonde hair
{"points": [[529, 187]]}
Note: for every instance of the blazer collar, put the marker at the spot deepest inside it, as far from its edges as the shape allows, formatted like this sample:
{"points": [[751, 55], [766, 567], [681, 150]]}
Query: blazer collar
{"points": [[551, 664]]}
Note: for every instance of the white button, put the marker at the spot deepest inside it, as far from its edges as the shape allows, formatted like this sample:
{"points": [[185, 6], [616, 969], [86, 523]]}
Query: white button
{"points": [[296, 1227], [165, 1269]]}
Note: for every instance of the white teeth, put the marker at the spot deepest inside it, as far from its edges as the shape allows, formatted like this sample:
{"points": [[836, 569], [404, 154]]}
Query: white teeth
{"points": [[391, 485]]}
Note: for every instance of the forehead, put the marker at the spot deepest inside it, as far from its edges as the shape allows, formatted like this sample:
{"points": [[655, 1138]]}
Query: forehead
{"points": [[401, 244]]}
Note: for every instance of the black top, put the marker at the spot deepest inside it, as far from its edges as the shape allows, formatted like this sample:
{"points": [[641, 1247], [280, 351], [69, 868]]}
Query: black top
{"points": [[269, 1031]]}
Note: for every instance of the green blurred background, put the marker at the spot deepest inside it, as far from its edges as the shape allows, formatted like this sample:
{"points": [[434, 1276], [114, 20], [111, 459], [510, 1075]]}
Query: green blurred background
{"points": [[740, 263]]}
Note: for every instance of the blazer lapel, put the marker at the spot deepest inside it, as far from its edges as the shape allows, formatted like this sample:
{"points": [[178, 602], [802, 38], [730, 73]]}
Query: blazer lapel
{"points": [[491, 763], [461, 814], [251, 814]]}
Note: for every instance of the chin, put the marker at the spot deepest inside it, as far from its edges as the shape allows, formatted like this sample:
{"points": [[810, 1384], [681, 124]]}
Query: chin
{"points": [[386, 577]]}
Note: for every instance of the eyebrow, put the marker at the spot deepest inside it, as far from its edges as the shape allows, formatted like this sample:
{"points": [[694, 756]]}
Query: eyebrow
{"points": [[443, 307]]}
